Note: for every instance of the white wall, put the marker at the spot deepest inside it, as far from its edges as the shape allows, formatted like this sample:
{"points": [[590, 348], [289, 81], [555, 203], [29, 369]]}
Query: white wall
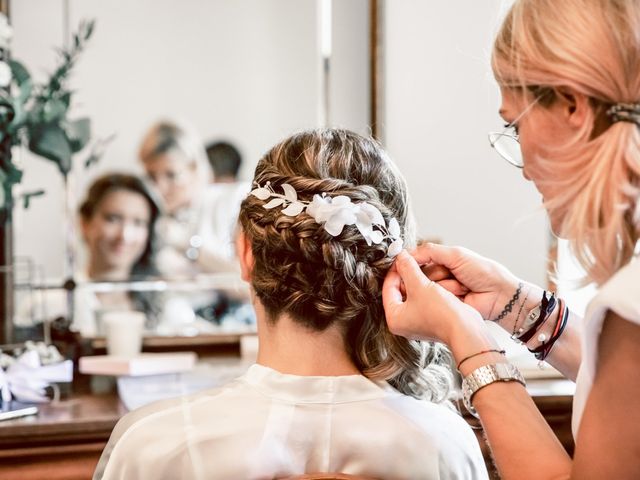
{"points": [[440, 102], [243, 70]]}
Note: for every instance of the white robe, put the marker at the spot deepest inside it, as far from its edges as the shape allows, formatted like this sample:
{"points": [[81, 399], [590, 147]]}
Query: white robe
{"points": [[267, 425]]}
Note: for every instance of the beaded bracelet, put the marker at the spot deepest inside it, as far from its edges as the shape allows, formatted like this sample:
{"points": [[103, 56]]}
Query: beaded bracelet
{"points": [[515, 324]]}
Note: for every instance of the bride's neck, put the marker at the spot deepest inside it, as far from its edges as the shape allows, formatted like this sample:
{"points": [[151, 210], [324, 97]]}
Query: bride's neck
{"points": [[288, 347]]}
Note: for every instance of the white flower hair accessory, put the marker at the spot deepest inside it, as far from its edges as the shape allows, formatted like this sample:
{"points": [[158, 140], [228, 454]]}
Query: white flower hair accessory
{"points": [[335, 213]]}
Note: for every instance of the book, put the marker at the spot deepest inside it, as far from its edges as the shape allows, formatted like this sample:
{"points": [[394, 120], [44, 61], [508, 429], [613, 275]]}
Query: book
{"points": [[14, 409], [142, 364]]}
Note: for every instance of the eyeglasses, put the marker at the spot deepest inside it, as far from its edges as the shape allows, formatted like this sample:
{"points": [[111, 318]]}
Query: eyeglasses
{"points": [[507, 142]]}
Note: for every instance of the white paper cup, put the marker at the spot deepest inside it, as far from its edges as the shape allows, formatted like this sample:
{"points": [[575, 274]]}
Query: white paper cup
{"points": [[123, 332]]}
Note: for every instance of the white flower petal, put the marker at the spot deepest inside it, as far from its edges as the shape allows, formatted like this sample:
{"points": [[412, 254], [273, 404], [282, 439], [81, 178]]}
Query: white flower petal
{"points": [[365, 228], [261, 193], [372, 212], [325, 212], [394, 248], [294, 209], [366, 234], [289, 192], [274, 203], [376, 236], [346, 215], [316, 203], [334, 226], [341, 200], [364, 225], [394, 228], [338, 220]]}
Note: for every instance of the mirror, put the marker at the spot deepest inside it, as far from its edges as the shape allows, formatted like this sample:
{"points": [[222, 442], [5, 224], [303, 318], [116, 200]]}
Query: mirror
{"points": [[248, 72]]}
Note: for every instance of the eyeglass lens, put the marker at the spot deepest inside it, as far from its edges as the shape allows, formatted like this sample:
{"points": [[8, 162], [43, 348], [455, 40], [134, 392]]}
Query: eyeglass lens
{"points": [[507, 145]]}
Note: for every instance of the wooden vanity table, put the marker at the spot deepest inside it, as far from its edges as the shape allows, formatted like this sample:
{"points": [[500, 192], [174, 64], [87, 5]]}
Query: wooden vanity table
{"points": [[63, 441]]}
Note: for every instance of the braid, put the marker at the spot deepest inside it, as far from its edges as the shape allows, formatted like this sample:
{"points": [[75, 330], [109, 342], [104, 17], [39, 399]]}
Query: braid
{"points": [[320, 280]]}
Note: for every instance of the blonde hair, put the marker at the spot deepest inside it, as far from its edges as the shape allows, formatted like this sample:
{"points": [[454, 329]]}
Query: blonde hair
{"points": [[166, 136], [592, 46], [320, 280]]}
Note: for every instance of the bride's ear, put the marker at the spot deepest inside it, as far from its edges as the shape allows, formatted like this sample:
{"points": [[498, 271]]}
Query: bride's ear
{"points": [[245, 255]]}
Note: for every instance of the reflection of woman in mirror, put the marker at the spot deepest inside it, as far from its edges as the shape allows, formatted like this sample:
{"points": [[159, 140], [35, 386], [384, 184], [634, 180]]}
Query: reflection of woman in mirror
{"points": [[117, 219], [333, 389], [174, 158], [117, 222]]}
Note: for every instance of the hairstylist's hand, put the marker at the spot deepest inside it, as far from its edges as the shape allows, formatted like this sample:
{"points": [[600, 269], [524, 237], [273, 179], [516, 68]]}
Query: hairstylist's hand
{"points": [[418, 308], [481, 283]]}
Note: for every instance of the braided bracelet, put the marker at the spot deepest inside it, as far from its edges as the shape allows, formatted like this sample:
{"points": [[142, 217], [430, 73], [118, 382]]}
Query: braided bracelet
{"points": [[501, 352], [509, 306]]}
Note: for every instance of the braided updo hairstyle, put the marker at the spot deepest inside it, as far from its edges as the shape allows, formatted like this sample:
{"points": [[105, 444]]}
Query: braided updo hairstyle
{"points": [[319, 280]]}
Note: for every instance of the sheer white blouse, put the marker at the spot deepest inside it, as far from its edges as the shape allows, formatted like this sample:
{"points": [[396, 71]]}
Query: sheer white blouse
{"points": [[267, 425], [621, 294]]}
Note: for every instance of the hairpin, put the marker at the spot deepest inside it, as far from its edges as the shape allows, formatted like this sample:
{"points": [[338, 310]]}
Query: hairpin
{"points": [[334, 213]]}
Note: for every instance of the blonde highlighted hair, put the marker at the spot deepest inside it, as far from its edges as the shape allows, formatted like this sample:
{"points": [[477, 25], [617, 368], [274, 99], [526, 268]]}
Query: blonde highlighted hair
{"points": [[322, 281], [592, 46]]}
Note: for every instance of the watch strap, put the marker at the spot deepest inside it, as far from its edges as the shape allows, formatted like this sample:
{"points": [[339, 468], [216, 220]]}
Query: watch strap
{"points": [[486, 375]]}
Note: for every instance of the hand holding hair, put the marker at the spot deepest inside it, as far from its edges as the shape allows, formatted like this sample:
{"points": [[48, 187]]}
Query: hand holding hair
{"points": [[427, 311], [489, 285]]}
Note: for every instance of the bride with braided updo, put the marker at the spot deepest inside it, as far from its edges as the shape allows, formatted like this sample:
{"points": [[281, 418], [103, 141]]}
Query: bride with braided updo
{"points": [[332, 390]]}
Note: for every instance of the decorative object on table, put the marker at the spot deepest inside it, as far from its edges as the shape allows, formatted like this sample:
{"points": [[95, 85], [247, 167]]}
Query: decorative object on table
{"points": [[143, 364], [36, 116], [13, 409], [34, 374]]}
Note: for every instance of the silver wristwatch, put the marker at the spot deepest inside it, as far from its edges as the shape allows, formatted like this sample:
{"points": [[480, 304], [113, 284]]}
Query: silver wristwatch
{"points": [[486, 375]]}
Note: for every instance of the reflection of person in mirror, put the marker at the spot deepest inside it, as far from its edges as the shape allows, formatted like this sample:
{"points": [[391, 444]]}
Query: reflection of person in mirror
{"points": [[175, 160], [332, 389], [224, 196], [117, 221]]}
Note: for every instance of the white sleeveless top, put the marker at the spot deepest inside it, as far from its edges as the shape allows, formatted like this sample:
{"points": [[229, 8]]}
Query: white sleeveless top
{"points": [[621, 294], [267, 425]]}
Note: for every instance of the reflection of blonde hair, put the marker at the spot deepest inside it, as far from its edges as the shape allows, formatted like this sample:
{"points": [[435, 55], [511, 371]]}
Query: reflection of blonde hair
{"points": [[167, 136], [320, 280], [592, 46]]}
